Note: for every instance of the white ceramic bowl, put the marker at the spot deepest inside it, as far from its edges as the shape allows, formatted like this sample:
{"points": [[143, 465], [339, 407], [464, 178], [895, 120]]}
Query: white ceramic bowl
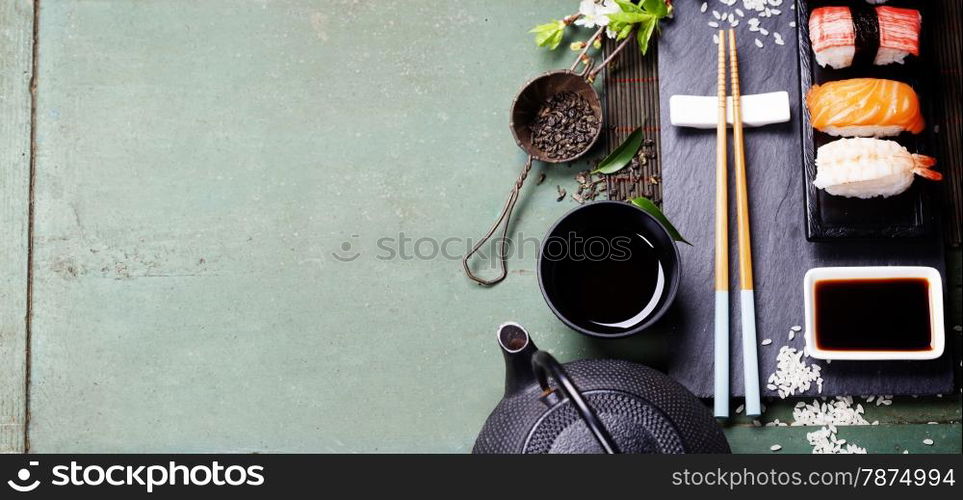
{"points": [[937, 333]]}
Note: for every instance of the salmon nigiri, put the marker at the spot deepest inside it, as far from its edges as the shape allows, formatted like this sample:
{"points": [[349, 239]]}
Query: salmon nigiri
{"points": [[864, 107]]}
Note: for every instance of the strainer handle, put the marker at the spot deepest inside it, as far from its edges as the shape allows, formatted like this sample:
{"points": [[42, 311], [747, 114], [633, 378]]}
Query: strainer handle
{"points": [[544, 365], [589, 72], [588, 45], [593, 73], [504, 217]]}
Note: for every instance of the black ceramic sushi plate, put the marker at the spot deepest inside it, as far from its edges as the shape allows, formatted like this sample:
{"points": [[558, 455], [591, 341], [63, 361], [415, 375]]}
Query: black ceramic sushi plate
{"points": [[907, 215]]}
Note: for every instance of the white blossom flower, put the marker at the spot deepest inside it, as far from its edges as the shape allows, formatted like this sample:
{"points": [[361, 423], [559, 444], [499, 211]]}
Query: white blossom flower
{"points": [[596, 12]]}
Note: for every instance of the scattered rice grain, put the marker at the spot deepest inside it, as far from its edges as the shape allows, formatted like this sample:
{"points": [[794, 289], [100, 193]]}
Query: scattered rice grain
{"points": [[840, 411], [793, 375], [824, 441]]}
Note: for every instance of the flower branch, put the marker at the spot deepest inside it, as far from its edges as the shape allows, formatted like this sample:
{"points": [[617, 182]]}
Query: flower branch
{"points": [[618, 19]]}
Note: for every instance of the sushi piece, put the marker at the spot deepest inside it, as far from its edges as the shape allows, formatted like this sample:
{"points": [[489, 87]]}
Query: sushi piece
{"points": [[844, 36], [864, 168], [864, 107]]}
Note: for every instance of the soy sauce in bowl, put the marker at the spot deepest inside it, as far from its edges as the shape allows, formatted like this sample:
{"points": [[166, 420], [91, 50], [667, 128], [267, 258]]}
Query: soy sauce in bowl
{"points": [[873, 315], [608, 269]]}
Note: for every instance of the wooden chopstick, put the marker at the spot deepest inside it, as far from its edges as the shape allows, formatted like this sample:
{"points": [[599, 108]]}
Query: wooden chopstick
{"points": [[721, 336], [747, 299]]}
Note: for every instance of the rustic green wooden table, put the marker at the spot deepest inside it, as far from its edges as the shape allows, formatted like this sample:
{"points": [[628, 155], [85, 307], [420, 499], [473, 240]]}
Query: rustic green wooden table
{"points": [[182, 197]]}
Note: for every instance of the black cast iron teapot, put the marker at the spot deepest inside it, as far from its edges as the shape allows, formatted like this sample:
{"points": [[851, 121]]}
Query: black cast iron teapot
{"points": [[592, 406]]}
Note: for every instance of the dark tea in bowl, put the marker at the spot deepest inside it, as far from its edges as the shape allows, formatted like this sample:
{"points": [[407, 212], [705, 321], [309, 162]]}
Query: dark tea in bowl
{"points": [[608, 269]]}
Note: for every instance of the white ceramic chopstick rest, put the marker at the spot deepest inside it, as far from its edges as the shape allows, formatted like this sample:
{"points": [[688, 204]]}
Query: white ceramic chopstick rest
{"points": [[758, 110]]}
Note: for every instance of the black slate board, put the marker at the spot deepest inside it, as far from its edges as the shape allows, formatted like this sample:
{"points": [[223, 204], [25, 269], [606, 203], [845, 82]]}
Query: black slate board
{"points": [[907, 215], [781, 253]]}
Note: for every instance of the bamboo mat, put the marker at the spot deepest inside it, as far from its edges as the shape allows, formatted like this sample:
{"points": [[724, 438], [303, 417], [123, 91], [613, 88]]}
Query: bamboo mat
{"points": [[631, 90], [948, 29]]}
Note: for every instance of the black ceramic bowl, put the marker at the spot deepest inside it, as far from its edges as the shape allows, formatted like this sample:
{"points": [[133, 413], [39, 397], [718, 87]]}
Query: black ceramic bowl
{"points": [[608, 269]]}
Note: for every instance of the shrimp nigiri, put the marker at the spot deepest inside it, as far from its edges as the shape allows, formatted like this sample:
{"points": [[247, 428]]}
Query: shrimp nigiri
{"points": [[864, 168]]}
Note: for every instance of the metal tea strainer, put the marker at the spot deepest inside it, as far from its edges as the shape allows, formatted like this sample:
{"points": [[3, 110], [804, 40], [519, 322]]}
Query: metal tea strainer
{"points": [[524, 112]]}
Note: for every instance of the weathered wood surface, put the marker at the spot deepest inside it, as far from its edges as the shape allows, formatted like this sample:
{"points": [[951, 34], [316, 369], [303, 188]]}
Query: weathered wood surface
{"points": [[874, 438], [198, 165], [781, 254], [16, 59], [902, 425]]}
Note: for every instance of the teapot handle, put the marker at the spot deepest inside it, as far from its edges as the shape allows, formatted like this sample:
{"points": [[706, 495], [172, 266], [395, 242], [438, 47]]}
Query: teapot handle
{"points": [[544, 365]]}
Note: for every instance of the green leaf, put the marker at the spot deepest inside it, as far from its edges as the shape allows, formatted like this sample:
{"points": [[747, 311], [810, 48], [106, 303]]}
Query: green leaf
{"points": [[618, 159], [656, 7], [628, 6], [624, 32], [645, 34], [549, 34], [631, 17], [556, 39], [544, 28], [653, 210]]}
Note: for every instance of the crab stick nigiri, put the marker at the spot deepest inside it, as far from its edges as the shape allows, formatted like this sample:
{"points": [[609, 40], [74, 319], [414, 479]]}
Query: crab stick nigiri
{"points": [[843, 35]]}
